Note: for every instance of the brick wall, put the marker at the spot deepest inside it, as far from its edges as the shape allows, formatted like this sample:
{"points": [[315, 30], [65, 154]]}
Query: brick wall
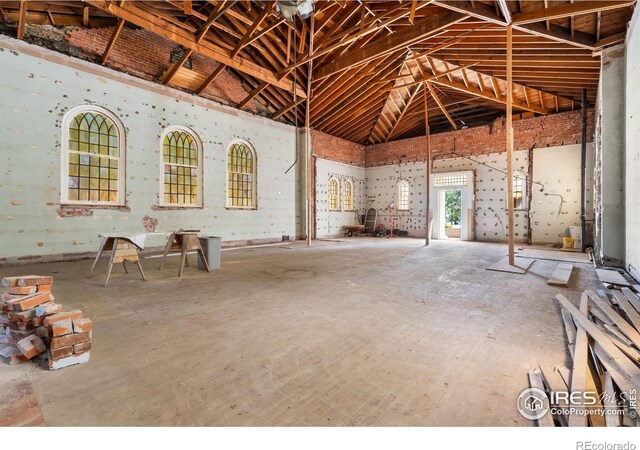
{"points": [[539, 132], [146, 55], [333, 148]]}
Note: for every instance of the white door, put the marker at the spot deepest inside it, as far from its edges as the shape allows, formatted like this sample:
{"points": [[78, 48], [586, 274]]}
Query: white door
{"points": [[452, 182]]}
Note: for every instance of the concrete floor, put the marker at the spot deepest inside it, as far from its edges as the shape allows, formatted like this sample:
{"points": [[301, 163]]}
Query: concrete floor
{"points": [[360, 332]]}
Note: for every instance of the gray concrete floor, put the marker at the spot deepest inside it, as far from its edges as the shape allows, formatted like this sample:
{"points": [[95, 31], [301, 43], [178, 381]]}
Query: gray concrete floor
{"points": [[360, 332]]}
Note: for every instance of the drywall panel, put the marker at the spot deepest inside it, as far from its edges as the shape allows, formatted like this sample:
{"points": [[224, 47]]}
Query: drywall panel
{"points": [[557, 207], [36, 89], [632, 148], [332, 223]]}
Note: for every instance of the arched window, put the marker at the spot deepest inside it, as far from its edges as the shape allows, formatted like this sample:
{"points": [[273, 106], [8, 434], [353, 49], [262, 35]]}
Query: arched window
{"points": [[334, 195], [519, 191], [181, 160], [92, 157], [347, 199], [241, 175], [403, 195]]}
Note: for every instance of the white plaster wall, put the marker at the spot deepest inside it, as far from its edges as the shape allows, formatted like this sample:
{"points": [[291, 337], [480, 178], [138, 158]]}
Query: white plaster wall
{"points": [[34, 95], [558, 169], [632, 151], [331, 223], [382, 188], [491, 207]]}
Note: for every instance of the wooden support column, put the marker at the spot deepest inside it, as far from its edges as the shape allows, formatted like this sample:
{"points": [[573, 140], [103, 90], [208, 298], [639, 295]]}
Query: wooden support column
{"points": [[427, 131], [22, 17], [510, 143], [307, 134]]}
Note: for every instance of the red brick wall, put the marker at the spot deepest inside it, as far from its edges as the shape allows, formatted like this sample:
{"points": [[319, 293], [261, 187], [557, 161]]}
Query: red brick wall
{"points": [[146, 55], [544, 131], [333, 148]]}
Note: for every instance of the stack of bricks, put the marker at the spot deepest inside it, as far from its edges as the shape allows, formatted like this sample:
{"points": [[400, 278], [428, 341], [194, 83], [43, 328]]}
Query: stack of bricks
{"points": [[33, 326]]}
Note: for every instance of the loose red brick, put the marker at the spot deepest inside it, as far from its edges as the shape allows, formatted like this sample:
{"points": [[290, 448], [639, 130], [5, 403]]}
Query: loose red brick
{"points": [[70, 339], [48, 309], [22, 316], [81, 348], [29, 301], [61, 328], [10, 281], [82, 325], [73, 315], [59, 353], [35, 280], [6, 297], [69, 361], [25, 326], [17, 358], [31, 346], [21, 290], [44, 288]]}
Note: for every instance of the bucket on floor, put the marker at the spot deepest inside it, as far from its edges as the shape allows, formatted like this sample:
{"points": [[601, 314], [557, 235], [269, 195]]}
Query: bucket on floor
{"points": [[211, 246], [568, 243]]}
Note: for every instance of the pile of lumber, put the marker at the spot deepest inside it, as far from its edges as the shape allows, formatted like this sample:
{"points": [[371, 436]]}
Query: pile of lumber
{"points": [[34, 327], [603, 336]]}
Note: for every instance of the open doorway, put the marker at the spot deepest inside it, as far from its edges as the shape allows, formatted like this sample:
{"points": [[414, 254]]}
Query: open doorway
{"points": [[452, 208], [452, 205]]}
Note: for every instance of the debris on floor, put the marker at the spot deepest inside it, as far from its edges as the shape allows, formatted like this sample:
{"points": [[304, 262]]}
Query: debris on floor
{"points": [[33, 326], [604, 343]]}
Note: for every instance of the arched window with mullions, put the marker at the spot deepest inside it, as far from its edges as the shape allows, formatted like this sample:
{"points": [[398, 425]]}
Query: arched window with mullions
{"points": [[403, 195], [93, 158], [347, 199], [241, 175], [181, 168], [334, 195]]}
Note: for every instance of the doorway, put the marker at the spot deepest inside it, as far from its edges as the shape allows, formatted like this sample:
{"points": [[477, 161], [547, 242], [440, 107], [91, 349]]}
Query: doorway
{"points": [[452, 202], [452, 208]]}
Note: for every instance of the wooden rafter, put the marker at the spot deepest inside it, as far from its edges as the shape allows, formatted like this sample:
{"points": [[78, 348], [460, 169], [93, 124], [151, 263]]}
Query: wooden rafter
{"points": [[22, 18], [112, 41], [569, 10], [403, 112], [435, 96]]}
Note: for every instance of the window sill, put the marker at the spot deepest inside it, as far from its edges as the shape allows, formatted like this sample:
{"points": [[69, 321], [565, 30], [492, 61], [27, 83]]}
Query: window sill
{"points": [[245, 208], [74, 206], [176, 207]]}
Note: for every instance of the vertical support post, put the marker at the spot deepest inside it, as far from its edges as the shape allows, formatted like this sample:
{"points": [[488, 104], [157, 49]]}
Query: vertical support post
{"points": [[22, 17], [307, 133], [427, 236], [510, 231], [583, 170]]}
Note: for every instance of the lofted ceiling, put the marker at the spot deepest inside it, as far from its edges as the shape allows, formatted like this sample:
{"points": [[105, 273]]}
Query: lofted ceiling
{"points": [[373, 62]]}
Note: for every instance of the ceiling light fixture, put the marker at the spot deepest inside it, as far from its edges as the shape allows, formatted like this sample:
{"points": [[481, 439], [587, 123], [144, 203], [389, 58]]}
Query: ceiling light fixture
{"points": [[289, 8]]}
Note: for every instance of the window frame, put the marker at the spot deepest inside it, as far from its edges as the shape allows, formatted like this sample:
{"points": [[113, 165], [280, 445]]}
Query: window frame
{"points": [[399, 202], [254, 178], [64, 170], [338, 199], [344, 195], [524, 203], [198, 141]]}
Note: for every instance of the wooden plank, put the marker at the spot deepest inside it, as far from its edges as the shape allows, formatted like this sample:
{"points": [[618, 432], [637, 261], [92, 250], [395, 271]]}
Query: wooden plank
{"points": [[535, 381], [628, 309], [112, 41], [633, 298], [619, 376], [164, 28], [609, 401], [441, 106], [611, 352], [554, 383], [561, 275], [520, 265], [579, 369], [570, 331], [616, 318], [612, 277], [569, 10], [22, 18], [400, 39]]}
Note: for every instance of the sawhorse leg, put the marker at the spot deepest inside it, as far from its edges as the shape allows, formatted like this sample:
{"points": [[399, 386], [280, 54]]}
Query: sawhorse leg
{"points": [[111, 258], [166, 250], [95, 261]]}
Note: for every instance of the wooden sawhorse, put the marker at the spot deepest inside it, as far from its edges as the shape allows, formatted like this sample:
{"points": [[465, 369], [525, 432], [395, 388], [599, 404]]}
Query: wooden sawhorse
{"points": [[184, 241], [122, 250]]}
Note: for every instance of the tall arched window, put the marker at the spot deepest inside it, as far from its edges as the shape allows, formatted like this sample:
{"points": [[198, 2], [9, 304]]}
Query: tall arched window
{"points": [[347, 198], [403, 195], [334, 195], [181, 161], [241, 175], [92, 157]]}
